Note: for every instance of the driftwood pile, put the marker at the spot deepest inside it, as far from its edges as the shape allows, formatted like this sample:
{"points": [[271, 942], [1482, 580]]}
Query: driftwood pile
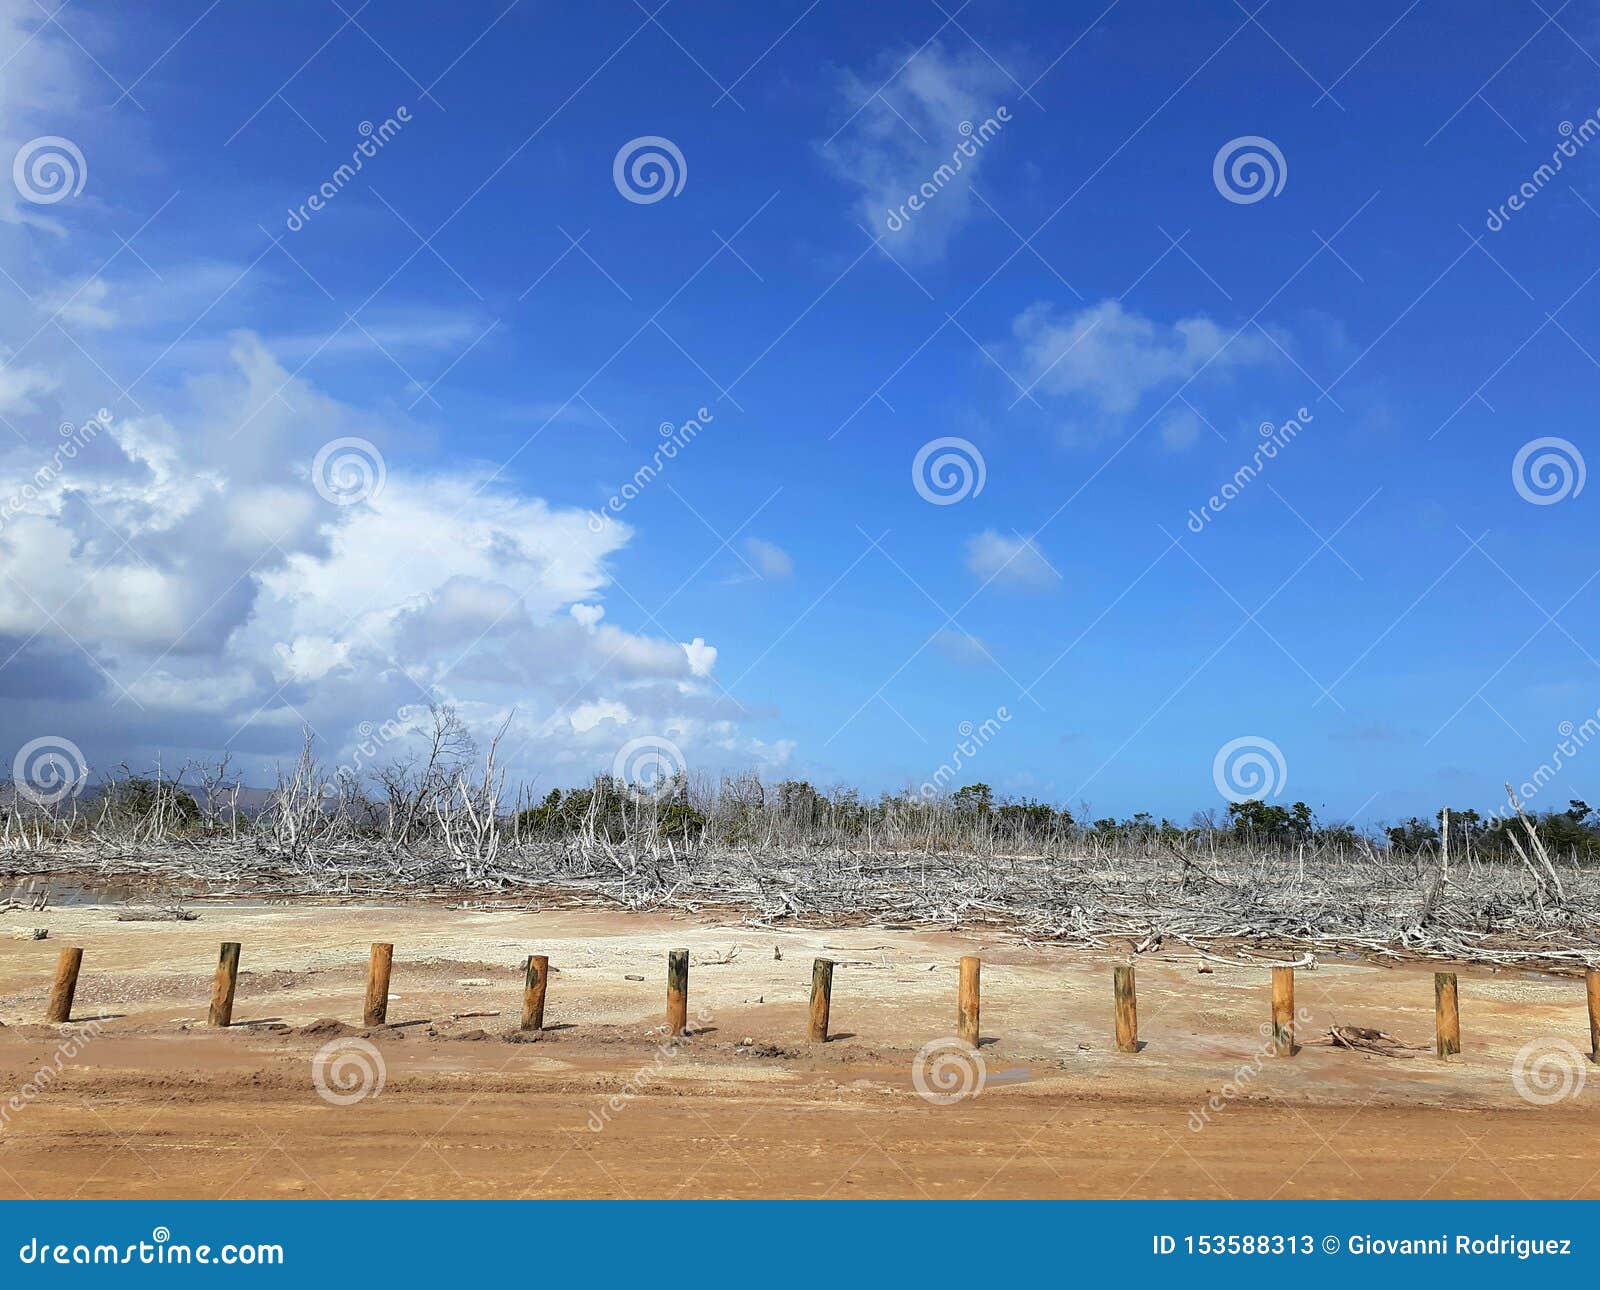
{"points": [[1134, 897], [1363, 1039]]}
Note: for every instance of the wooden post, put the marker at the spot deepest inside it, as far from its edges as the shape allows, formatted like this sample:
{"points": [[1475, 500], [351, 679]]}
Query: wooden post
{"points": [[1283, 1011], [376, 1012], [821, 1000], [533, 988], [677, 991], [1592, 979], [1127, 1008], [967, 1006], [1447, 1014], [66, 985], [224, 983]]}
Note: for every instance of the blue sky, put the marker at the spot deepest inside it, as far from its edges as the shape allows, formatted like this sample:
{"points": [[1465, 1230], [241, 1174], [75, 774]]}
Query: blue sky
{"points": [[1082, 303]]}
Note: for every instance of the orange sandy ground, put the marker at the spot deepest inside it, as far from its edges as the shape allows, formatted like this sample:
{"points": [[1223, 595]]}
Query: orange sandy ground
{"points": [[155, 1105]]}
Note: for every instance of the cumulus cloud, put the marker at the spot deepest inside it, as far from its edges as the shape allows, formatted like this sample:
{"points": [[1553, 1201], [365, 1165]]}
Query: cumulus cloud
{"points": [[1014, 562], [1108, 357], [218, 595], [904, 129], [174, 583]]}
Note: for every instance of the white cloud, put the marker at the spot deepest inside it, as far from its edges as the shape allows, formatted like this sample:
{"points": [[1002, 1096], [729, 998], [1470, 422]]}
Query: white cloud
{"points": [[964, 648], [702, 657], [586, 716], [1111, 357], [19, 385], [39, 95], [1179, 430], [81, 304], [176, 584], [219, 597], [1014, 562], [770, 561], [902, 131]]}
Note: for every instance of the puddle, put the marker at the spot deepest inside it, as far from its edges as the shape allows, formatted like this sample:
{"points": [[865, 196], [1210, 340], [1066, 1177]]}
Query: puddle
{"points": [[69, 892]]}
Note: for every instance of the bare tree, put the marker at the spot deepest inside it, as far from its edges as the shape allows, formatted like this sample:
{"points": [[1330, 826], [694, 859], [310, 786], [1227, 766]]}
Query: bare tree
{"points": [[413, 786]]}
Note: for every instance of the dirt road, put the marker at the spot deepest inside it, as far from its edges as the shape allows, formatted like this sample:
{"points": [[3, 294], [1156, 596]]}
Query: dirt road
{"points": [[139, 1099]]}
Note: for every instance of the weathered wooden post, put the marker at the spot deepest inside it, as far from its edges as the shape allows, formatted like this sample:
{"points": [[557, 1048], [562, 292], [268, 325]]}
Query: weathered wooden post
{"points": [[677, 991], [1127, 1007], [821, 1000], [224, 984], [533, 988], [1283, 1011], [66, 985], [967, 1002], [376, 1012], [1447, 1014], [1592, 980]]}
